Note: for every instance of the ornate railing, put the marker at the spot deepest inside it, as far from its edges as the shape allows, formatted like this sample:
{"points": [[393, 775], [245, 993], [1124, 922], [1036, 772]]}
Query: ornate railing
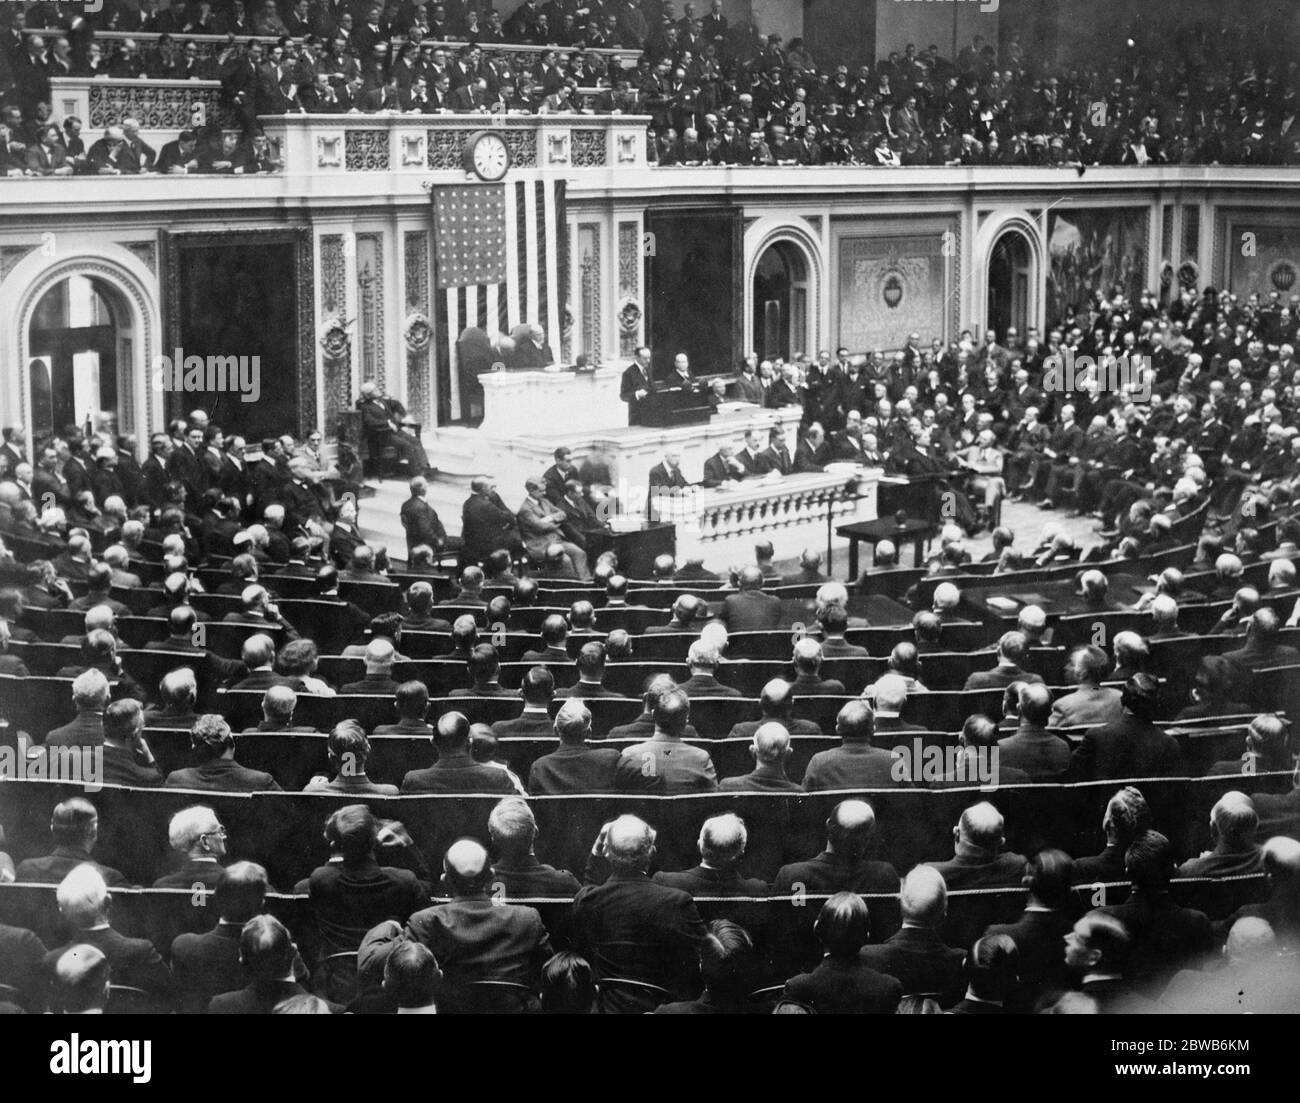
{"points": [[162, 107], [392, 142]]}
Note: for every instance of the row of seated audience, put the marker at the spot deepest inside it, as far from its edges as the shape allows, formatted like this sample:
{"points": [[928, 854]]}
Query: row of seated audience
{"points": [[719, 98], [632, 939]]}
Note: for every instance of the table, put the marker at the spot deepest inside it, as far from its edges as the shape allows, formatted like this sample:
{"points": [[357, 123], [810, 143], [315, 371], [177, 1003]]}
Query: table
{"points": [[1056, 599], [636, 548], [911, 531]]}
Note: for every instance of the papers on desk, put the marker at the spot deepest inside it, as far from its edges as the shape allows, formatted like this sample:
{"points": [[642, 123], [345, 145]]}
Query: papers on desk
{"points": [[1002, 604]]}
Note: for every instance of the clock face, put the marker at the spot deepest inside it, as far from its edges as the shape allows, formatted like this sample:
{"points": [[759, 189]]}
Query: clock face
{"points": [[491, 157]]}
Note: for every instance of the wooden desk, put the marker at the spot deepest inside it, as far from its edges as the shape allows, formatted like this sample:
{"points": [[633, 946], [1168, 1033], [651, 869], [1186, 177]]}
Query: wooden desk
{"points": [[911, 531]]}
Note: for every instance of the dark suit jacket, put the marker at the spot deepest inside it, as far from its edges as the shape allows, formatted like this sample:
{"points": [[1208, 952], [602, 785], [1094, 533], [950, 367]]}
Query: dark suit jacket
{"points": [[260, 999], [839, 986], [829, 873], [701, 881], [978, 871], [755, 782], [52, 868], [809, 685], [21, 955], [475, 938], [1164, 938], [1042, 755], [575, 768], [1127, 748], [663, 765], [86, 730], [457, 773], [851, 766], [706, 685], [531, 878], [133, 961], [751, 611], [221, 775], [1039, 936], [921, 962], [380, 685], [206, 965], [632, 927], [537, 725], [999, 677], [350, 898], [189, 874]]}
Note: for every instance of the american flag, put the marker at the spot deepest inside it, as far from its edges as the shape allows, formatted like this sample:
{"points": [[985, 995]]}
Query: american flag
{"points": [[498, 262]]}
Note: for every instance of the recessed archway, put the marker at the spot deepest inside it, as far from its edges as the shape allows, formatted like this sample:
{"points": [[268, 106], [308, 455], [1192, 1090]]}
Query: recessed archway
{"points": [[1010, 271], [779, 324]]}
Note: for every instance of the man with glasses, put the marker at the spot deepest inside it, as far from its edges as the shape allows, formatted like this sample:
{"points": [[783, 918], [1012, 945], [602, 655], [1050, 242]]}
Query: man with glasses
{"points": [[199, 841]]}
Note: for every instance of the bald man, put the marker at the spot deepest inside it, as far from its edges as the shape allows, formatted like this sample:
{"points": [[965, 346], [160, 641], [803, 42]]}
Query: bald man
{"points": [[575, 766], [979, 860], [1250, 983], [634, 928], [843, 866], [1233, 824], [475, 937], [456, 771], [771, 750], [915, 955], [1281, 859], [721, 845], [379, 671], [82, 976], [808, 681]]}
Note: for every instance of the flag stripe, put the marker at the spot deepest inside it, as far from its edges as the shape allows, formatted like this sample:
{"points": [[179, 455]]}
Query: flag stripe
{"points": [[520, 269], [453, 331], [542, 201], [532, 262], [492, 301]]}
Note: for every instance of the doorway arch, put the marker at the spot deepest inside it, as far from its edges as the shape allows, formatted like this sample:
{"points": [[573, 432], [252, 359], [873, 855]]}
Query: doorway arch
{"points": [[779, 324], [1010, 281]]}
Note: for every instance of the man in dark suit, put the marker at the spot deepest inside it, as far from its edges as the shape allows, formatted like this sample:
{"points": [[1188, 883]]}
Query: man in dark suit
{"points": [[643, 727], [475, 937], [591, 674], [74, 826], [1011, 652], [1041, 754], [269, 960], [352, 892], [199, 840], [702, 659], [456, 771], [842, 982], [665, 763], [722, 467], [487, 523], [777, 704], [978, 860], [379, 671], [812, 453], [1233, 825], [890, 693], [1263, 649], [843, 866], [258, 658], [751, 610], [213, 746], [1131, 746], [721, 844], [1164, 937], [420, 520], [512, 829], [575, 766], [1092, 703], [537, 688], [666, 480], [635, 386], [90, 692], [21, 958], [808, 681], [83, 901], [206, 965], [1041, 929], [916, 956], [633, 928], [855, 764], [186, 466], [485, 672]]}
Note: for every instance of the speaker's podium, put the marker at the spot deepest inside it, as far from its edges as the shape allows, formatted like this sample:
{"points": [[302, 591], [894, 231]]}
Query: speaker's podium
{"points": [[675, 406]]}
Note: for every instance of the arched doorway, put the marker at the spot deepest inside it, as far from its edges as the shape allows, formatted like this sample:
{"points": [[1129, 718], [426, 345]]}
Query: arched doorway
{"points": [[780, 322], [79, 349], [1009, 272]]}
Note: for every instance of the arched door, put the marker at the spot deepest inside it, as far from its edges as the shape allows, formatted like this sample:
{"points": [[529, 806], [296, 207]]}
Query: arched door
{"points": [[78, 334], [780, 322], [1008, 283]]}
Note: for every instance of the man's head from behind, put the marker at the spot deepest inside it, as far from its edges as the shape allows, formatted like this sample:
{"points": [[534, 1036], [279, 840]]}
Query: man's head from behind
{"points": [[630, 843], [466, 868], [241, 891], [82, 897], [981, 825], [923, 898], [850, 829], [722, 841], [672, 712], [411, 975], [266, 950], [843, 925], [512, 829]]}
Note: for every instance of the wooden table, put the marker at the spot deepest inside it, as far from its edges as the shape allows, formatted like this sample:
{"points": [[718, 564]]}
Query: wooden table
{"points": [[912, 531]]}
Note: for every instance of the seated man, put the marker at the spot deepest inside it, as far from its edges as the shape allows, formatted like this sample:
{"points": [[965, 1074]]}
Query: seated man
{"points": [[512, 829], [419, 610], [808, 681], [74, 826], [256, 607], [916, 956], [1091, 703], [890, 693], [84, 905], [352, 892], [127, 759], [703, 659], [178, 691], [541, 524], [843, 983], [843, 866], [722, 845], [412, 703], [384, 425], [575, 766], [777, 705], [983, 460], [1131, 746], [979, 860], [751, 610], [771, 750], [484, 671], [664, 763], [1041, 928], [197, 837], [379, 672], [259, 658], [349, 751], [267, 957], [834, 621], [855, 764], [213, 745], [555, 631], [80, 980], [591, 674], [1012, 648], [1233, 825], [632, 928], [537, 688], [1041, 754], [475, 937], [455, 771]]}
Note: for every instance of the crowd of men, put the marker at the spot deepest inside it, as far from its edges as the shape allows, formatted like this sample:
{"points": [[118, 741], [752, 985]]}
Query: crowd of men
{"points": [[716, 93]]}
